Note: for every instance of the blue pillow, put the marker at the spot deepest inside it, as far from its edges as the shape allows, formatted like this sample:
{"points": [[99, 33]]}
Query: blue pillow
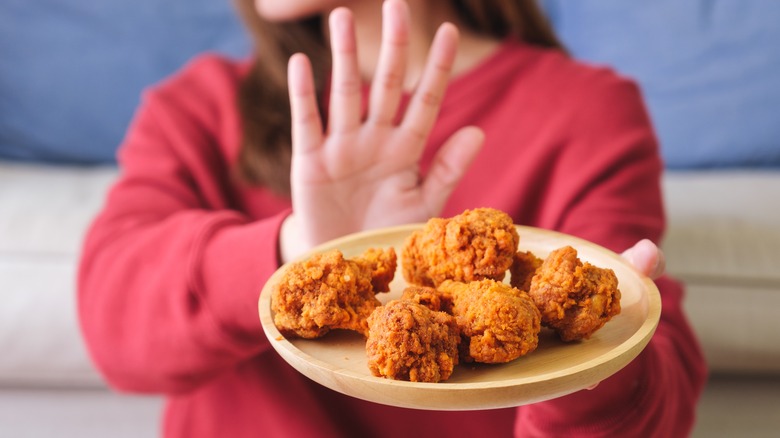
{"points": [[72, 71], [709, 69]]}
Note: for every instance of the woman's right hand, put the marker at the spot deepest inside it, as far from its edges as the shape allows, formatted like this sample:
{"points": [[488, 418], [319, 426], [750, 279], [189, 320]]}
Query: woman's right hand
{"points": [[362, 173]]}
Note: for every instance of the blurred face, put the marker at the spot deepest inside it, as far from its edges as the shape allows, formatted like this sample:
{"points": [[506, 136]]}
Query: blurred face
{"points": [[283, 10]]}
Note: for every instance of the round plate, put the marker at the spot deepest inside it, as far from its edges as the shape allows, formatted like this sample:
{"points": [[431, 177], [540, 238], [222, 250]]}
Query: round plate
{"points": [[338, 360]]}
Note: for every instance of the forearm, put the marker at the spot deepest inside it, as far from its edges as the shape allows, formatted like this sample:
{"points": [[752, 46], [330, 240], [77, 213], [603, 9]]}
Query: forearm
{"points": [[165, 305]]}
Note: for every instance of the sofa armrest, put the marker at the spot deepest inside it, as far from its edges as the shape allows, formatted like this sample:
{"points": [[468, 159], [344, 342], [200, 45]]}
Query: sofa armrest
{"points": [[44, 212], [723, 242]]}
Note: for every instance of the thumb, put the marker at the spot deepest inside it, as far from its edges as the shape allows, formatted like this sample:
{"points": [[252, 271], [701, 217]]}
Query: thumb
{"points": [[646, 257], [449, 166]]}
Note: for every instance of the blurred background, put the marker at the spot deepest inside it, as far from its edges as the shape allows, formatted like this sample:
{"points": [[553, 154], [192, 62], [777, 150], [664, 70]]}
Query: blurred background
{"points": [[72, 73]]}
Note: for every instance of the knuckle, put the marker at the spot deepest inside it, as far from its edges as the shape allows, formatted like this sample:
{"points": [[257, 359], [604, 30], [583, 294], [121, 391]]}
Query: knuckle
{"points": [[307, 117], [391, 81], [430, 98], [347, 86], [442, 67], [417, 134]]}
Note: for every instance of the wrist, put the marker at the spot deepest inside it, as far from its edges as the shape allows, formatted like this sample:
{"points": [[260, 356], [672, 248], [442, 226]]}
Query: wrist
{"points": [[291, 244], [288, 246]]}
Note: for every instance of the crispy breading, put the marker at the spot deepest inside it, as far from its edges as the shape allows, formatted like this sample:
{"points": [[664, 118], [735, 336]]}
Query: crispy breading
{"points": [[428, 297], [476, 244], [498, 322], [575, 298], [382, 263], [408, 341], [327, 292], [523, 268]]}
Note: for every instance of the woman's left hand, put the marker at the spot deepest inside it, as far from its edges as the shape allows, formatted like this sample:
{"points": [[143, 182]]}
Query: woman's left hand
{"points": [[649, 259]]}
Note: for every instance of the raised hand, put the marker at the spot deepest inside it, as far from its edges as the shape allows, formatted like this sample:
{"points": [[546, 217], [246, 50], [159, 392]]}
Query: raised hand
{"points": [[362, 173]]}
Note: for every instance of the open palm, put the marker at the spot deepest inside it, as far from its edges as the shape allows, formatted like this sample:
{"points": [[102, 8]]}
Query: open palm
{"points": [[363, 173]]}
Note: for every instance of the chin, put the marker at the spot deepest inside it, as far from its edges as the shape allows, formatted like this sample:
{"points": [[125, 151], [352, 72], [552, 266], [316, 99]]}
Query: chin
{"points": [[291, 10]]}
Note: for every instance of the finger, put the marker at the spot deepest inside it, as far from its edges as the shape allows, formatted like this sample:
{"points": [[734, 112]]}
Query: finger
{"points": [[647, 258], [344, 108], [387, 86], [306, 122], [424, 106], [449, 165]]}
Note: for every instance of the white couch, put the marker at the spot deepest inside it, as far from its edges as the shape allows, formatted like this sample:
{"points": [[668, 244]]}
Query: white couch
{"points": [[48, 387], [723, 241]]}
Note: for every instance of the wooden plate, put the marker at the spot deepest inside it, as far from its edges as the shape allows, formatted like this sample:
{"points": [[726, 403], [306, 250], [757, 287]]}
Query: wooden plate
{"points": [[338, 360]]}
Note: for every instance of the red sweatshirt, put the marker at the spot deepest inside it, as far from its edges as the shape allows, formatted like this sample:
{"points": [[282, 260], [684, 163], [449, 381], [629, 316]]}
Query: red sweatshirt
{"points": [[173, 266]]}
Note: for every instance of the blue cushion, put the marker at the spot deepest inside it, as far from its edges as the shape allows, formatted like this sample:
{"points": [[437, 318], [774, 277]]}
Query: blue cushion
{"points": [[709, 69], [72, 71]]}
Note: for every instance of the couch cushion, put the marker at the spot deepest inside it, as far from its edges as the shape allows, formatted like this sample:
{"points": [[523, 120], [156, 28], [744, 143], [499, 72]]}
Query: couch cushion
{"points": [[78, 413], [72, 70], [44, 212], [708, 68], [723, 242]]}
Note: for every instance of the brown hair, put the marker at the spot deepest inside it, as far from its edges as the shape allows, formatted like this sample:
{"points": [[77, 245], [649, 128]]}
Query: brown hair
{"points": [[263, 101]]}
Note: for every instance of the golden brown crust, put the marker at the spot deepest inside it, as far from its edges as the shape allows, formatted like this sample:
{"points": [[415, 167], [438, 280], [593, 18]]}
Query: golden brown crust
{"points": [[474, 245], [575, 298], [498, 322], [456, 307], [408, 341], [427, 296], [327, 292], [523, 268], [382, 263]]}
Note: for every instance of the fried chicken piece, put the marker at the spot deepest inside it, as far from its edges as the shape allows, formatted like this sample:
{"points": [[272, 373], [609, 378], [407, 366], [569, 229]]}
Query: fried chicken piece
{"points": [[327, 292], [427, 296], [408, 341], [523, 268], [382, 264], [474, 245], [498, 322], [575, 298]]}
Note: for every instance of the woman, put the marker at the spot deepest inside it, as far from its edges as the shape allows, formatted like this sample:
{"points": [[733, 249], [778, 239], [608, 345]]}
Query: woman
{"points": [[223, 180]]}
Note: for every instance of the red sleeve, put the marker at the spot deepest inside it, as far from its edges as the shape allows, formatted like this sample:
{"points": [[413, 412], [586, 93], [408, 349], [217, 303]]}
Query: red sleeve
{"points": [[170, 274], [610, 194]]}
